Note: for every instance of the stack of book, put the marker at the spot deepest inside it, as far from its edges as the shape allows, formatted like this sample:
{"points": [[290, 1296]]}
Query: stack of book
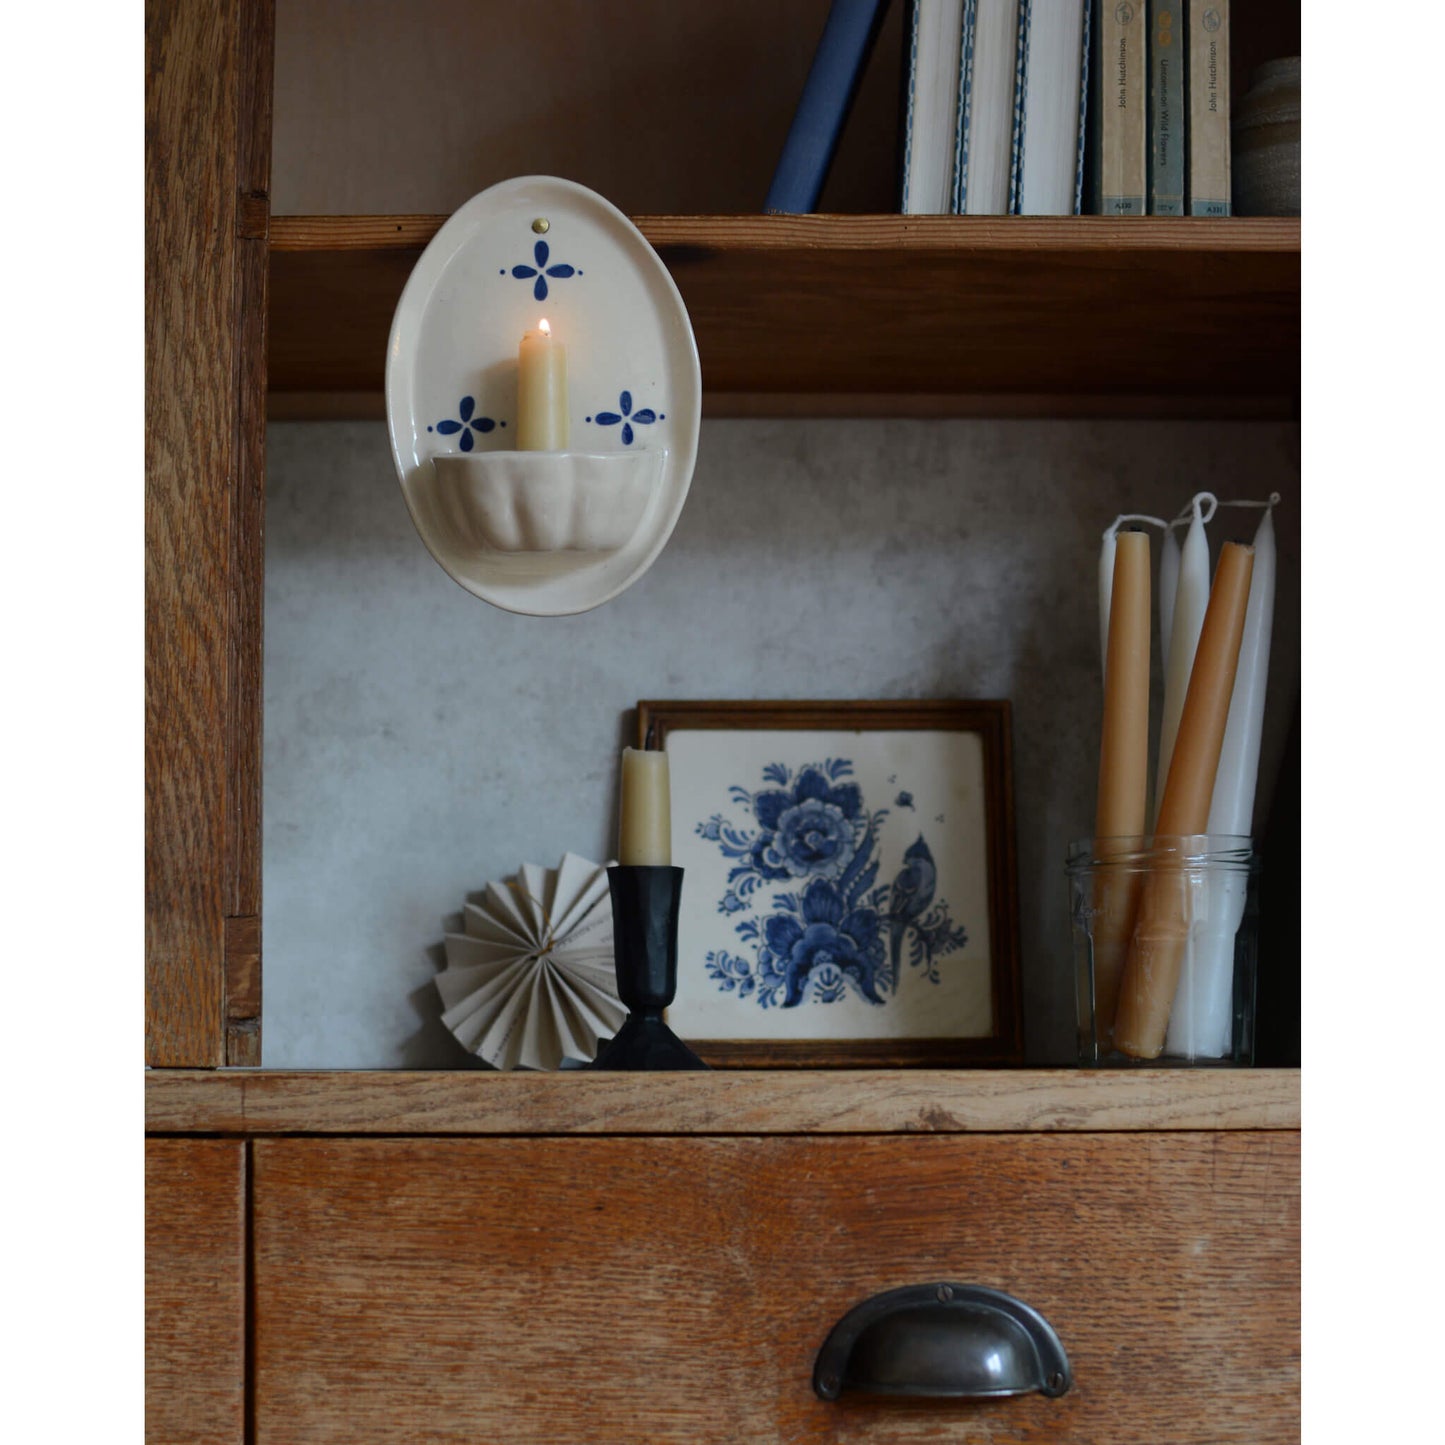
{"points": [[1161, 108], [1005, 99]]}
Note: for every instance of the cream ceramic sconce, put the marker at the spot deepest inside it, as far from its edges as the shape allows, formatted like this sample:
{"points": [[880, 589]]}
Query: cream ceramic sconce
{"points": [[542, 532]]}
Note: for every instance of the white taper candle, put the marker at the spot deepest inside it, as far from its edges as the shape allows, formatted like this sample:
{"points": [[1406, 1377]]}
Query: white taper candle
{"points": [[1191, 599], [1202, 1022], [1232, 808], [1168, 586], [1106, 592]]}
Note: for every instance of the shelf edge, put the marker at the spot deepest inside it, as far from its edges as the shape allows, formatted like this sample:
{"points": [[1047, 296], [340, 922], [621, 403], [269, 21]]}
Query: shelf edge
{"points": [[747, 1102]]}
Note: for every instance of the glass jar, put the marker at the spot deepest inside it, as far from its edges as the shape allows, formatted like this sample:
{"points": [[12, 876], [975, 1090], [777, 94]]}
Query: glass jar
{"points": [[1165, 936]]}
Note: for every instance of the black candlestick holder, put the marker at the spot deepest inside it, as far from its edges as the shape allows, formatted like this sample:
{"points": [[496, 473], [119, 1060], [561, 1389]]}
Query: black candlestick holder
{"points": [[645, 904]]}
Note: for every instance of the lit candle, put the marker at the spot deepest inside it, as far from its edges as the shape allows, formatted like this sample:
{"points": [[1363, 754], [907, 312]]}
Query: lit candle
{"points": [[1123, 767], [645, 825], [1201, 1022], [1191, 597], [541, 392], [1161, 934]]}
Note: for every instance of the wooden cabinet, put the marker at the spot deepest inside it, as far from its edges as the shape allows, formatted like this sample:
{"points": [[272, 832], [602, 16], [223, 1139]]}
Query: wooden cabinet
{"points": [[464, 1257], [621, 1259]]}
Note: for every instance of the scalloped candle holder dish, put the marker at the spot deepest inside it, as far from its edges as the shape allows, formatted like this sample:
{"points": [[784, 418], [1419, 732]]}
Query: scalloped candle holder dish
{"points": [[546, 501], [543, 533]]}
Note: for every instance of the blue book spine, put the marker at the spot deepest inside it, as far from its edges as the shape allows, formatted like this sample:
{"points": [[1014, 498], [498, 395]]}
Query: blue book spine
{"points": [[828, 92], [965, 108], [1166, 108]]}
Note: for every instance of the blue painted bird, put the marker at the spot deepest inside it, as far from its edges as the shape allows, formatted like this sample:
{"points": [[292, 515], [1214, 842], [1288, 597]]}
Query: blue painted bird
{"points": [[909, 898]]}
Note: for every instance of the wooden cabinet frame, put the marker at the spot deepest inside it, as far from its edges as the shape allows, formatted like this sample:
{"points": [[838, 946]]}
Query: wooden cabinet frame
{"points": [[208, 160]]}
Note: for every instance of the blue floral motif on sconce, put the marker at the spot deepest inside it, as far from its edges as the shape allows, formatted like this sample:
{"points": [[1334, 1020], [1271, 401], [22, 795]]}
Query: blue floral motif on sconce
{"points": [[541, 253], [627, 418], [469, 423]]}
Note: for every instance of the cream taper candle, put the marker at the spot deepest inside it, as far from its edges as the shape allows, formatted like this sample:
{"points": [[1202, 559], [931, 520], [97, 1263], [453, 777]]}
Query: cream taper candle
{"points": [[645, 812], [541, 392]]}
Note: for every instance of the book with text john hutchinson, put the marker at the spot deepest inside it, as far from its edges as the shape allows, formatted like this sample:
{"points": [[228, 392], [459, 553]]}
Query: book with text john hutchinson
{"points": [[1208, 180]]}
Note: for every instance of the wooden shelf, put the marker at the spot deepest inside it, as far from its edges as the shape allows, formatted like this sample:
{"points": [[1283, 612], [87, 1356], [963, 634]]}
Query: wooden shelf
{"points": [[870, 315], [844, 1101]]}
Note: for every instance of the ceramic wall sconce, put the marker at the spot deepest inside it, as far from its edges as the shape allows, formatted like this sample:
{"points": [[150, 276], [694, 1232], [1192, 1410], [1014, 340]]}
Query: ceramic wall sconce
{"points": [[542, 532]]}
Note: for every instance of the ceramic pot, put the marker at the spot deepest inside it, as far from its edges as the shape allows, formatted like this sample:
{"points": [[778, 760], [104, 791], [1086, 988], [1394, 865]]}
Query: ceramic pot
{"points": [[1266, 142]]}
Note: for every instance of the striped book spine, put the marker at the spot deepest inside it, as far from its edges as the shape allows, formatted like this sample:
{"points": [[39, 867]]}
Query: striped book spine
{"points": [[1166, 108], [1083, 110], [1016, 166], [1209, 108], [965, 109]]}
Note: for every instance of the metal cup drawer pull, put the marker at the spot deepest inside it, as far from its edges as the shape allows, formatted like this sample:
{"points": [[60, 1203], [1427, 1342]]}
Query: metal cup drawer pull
{"points": [[959, 1341]]}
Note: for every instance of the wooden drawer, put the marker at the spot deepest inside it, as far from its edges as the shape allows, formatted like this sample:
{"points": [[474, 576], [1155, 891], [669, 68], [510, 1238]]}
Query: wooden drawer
{"points": [[677, 1289]]}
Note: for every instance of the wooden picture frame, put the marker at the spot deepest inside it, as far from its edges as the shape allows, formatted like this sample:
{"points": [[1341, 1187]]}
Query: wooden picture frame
{"points": [[825, 903]]}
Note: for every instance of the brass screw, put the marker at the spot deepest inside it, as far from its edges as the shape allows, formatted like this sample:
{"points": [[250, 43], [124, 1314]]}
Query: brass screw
{"points": [[541, 225]]}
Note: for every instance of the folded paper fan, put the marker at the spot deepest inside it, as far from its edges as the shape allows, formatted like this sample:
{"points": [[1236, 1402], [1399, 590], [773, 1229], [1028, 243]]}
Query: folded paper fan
{"points": [[531, 980]]}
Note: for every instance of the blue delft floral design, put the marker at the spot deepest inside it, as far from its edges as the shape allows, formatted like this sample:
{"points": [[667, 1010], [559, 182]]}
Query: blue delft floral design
{"points": [[627, 417], [840, 929], [469, 423], [541, 254]]}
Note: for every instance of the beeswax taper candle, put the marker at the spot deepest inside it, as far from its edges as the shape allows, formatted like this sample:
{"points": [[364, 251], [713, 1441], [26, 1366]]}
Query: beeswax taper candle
{"points": [[1123, 766], [645, 825], [1161, 933], [541, 392]]}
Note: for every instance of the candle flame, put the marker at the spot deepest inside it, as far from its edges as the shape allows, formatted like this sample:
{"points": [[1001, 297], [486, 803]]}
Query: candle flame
{"points": [[543, 327]]}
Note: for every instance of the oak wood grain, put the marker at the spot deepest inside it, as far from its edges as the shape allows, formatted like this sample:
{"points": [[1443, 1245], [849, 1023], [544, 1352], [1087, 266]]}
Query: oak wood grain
{"points": [[1034, 312], [207, 159], [679, 1289], [195, 1291], [784, 236], [745, 1102]]}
